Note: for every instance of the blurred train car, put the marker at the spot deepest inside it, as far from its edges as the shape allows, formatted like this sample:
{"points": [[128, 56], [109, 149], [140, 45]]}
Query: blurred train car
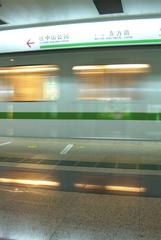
{"points": [[110, 93]]}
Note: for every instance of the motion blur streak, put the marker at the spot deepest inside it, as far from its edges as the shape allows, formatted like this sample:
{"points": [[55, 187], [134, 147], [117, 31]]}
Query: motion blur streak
{"points": [[110, 188], [125, 66], [89, 186], [29, 182], [112, 66], [125, 189], [41, 68]]}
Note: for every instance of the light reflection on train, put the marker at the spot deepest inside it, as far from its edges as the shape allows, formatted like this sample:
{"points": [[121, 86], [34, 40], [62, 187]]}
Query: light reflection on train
{"points": [[101, 82], [28, 83], [110, 82]]}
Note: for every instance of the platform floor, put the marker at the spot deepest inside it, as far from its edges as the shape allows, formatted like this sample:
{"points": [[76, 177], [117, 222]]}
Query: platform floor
{"points": [[80, 206], [120, 154], [27, 214]]}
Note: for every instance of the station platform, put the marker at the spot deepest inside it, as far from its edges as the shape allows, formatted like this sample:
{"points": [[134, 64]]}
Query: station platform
{"points": [[36, 214], [61, 189], [79, 153], [89, 166]]}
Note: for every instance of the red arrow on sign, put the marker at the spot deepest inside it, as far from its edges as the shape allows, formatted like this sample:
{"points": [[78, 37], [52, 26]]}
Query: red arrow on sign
{"points": [[29, 43]]}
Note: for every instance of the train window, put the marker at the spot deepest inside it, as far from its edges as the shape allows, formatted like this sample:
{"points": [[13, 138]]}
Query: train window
{"points": [[116, 82], [29, 83]]}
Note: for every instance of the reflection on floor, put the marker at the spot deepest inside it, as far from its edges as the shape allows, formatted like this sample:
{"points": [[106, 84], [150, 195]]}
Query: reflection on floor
{"points": [[142, 155], [33, 170], [27, 214]]}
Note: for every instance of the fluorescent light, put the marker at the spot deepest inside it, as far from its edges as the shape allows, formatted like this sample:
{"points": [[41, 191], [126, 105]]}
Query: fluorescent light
{"points": [[127, 66], [88, 67], [94, 72], [29, 182], [25, 69], [110, 67]]}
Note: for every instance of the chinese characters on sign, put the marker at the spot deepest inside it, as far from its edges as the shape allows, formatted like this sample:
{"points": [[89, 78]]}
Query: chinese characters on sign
{"points": [[75, 35], [67, 38], [111, 35], [54, 38]]}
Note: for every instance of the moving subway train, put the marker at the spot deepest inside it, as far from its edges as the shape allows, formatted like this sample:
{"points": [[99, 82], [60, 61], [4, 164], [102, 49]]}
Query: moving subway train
{"points": [[82, 93]]}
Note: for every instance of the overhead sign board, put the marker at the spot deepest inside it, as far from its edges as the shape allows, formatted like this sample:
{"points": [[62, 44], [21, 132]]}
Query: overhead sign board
{"points": [[93, 34]]}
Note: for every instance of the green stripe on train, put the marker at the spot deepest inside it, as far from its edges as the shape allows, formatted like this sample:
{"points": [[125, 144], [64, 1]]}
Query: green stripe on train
{"points": [[105, 43], [81, 115]]}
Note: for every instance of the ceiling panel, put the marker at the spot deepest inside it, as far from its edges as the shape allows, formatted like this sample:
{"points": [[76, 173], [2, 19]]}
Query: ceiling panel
{"points": [[21, 12], [142, 7], [108, 7]]}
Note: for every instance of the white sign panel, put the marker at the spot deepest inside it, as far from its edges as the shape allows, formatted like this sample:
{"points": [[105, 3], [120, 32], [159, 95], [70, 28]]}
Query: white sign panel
{"points": [[109, 33]]}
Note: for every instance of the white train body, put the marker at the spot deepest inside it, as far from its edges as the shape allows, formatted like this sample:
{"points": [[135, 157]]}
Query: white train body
{"points": [[114, 108]]}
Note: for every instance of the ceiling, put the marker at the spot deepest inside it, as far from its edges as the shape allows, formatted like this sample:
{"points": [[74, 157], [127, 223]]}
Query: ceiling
{"points": [[24, 12]]}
